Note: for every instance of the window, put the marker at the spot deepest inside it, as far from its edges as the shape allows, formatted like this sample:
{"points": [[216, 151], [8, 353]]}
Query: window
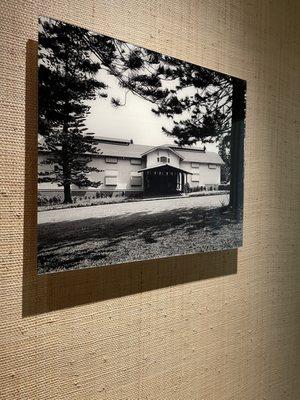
{"points": [[111, 181], [157, 159], [212, 166], [168, 159], [111, 178], [136, 181], [195, 178], [111, 160], [163, 159], [194, 165], [135, 161]]}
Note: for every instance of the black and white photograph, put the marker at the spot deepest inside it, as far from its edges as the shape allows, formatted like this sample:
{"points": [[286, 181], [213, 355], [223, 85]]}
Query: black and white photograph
{"points": [[140, 154]]}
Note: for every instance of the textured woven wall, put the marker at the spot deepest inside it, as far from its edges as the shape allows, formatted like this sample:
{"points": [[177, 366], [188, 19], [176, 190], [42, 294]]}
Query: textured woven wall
{"points": [[213, 326]]}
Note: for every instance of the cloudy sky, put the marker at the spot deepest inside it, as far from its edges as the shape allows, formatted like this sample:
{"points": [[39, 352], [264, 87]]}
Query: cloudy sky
{"points": [[135, 120]]}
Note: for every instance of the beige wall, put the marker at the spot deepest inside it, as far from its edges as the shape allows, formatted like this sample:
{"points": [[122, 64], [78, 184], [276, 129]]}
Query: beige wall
{"points": [[123, 170], [220, 326], [206, 175], [152, 158]]}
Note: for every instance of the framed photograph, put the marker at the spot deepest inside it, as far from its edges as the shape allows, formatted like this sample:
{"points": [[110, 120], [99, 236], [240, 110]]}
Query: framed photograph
{"points": [[140, 154]]}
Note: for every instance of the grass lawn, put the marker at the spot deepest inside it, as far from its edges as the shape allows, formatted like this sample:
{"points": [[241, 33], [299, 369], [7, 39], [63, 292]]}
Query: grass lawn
{"points": [[111, 240], [92, 201]]}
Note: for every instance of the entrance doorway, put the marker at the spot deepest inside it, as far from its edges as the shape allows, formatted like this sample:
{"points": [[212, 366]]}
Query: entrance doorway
{"points": [[164, 180]]}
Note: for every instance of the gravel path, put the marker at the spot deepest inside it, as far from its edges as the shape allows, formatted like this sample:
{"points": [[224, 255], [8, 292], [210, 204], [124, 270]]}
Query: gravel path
{"points": [[126, 232], [149, 207]]}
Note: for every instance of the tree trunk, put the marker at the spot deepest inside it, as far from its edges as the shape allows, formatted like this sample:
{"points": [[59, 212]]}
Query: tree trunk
{"points": [[237, 144], [66, 177], [66, 165], [67, 193]]}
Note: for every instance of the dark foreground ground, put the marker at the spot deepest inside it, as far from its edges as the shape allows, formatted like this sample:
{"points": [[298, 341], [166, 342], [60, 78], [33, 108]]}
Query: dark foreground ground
{"points": [[115, 239]]}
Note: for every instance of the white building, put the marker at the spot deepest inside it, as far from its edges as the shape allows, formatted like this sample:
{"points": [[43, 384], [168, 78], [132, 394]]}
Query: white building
{"points": [[126, 168]]}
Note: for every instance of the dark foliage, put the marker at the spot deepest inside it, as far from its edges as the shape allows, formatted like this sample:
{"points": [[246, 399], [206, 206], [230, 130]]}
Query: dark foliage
{"points": [[67, 78], [205, 115], [213, 113]]}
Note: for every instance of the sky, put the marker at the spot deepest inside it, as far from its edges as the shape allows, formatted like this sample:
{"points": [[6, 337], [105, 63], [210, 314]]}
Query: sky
{"points": [[135, 120]]}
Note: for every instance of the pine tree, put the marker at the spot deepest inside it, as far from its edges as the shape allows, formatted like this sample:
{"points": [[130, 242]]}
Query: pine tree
{"points": [[224, 153], [214, 113], [67, 79]]}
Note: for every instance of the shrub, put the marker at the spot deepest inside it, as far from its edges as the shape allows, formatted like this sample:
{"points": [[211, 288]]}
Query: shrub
{"points": [[224, 186], [186, 188], [56, 200], [42, 201], [45, 201]]}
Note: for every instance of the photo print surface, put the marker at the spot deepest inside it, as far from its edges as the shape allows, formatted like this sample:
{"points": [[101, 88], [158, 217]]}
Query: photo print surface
{"points": [[140, 155]]}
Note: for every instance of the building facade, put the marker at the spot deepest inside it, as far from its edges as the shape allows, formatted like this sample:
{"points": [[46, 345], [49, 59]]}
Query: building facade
{"points": [[128, 168]]}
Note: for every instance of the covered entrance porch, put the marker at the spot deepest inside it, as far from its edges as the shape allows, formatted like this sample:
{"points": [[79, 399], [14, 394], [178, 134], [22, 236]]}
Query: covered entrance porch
{"points": [[164, 179]]}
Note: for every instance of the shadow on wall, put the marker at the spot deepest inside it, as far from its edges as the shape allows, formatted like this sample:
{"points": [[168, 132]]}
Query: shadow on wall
{"points": [[44, 293]]}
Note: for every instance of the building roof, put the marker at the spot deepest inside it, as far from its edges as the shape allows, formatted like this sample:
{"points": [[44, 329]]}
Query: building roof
{"points": [[200, 156], [114, 140], [166, 147], [112, 147], [165, 166], [115, 150], [132, 150]]}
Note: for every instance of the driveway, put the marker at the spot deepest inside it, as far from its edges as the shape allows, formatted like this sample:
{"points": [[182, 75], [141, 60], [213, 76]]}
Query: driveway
{"points": [[149, 207]]}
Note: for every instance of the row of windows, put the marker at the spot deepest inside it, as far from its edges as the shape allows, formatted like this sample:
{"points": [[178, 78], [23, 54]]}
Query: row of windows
{"points": [[135, 161], [137, 180], [163, 159], [114, 160], [196, 177], [112, 180], [197, 165]]}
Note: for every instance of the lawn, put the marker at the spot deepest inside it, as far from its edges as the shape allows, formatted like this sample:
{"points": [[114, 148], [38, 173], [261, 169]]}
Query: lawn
{"points": [[87, 201], [94, 242]]}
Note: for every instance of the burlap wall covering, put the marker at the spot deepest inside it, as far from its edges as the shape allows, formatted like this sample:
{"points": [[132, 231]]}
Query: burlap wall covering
{"points": [[213, 326]]}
